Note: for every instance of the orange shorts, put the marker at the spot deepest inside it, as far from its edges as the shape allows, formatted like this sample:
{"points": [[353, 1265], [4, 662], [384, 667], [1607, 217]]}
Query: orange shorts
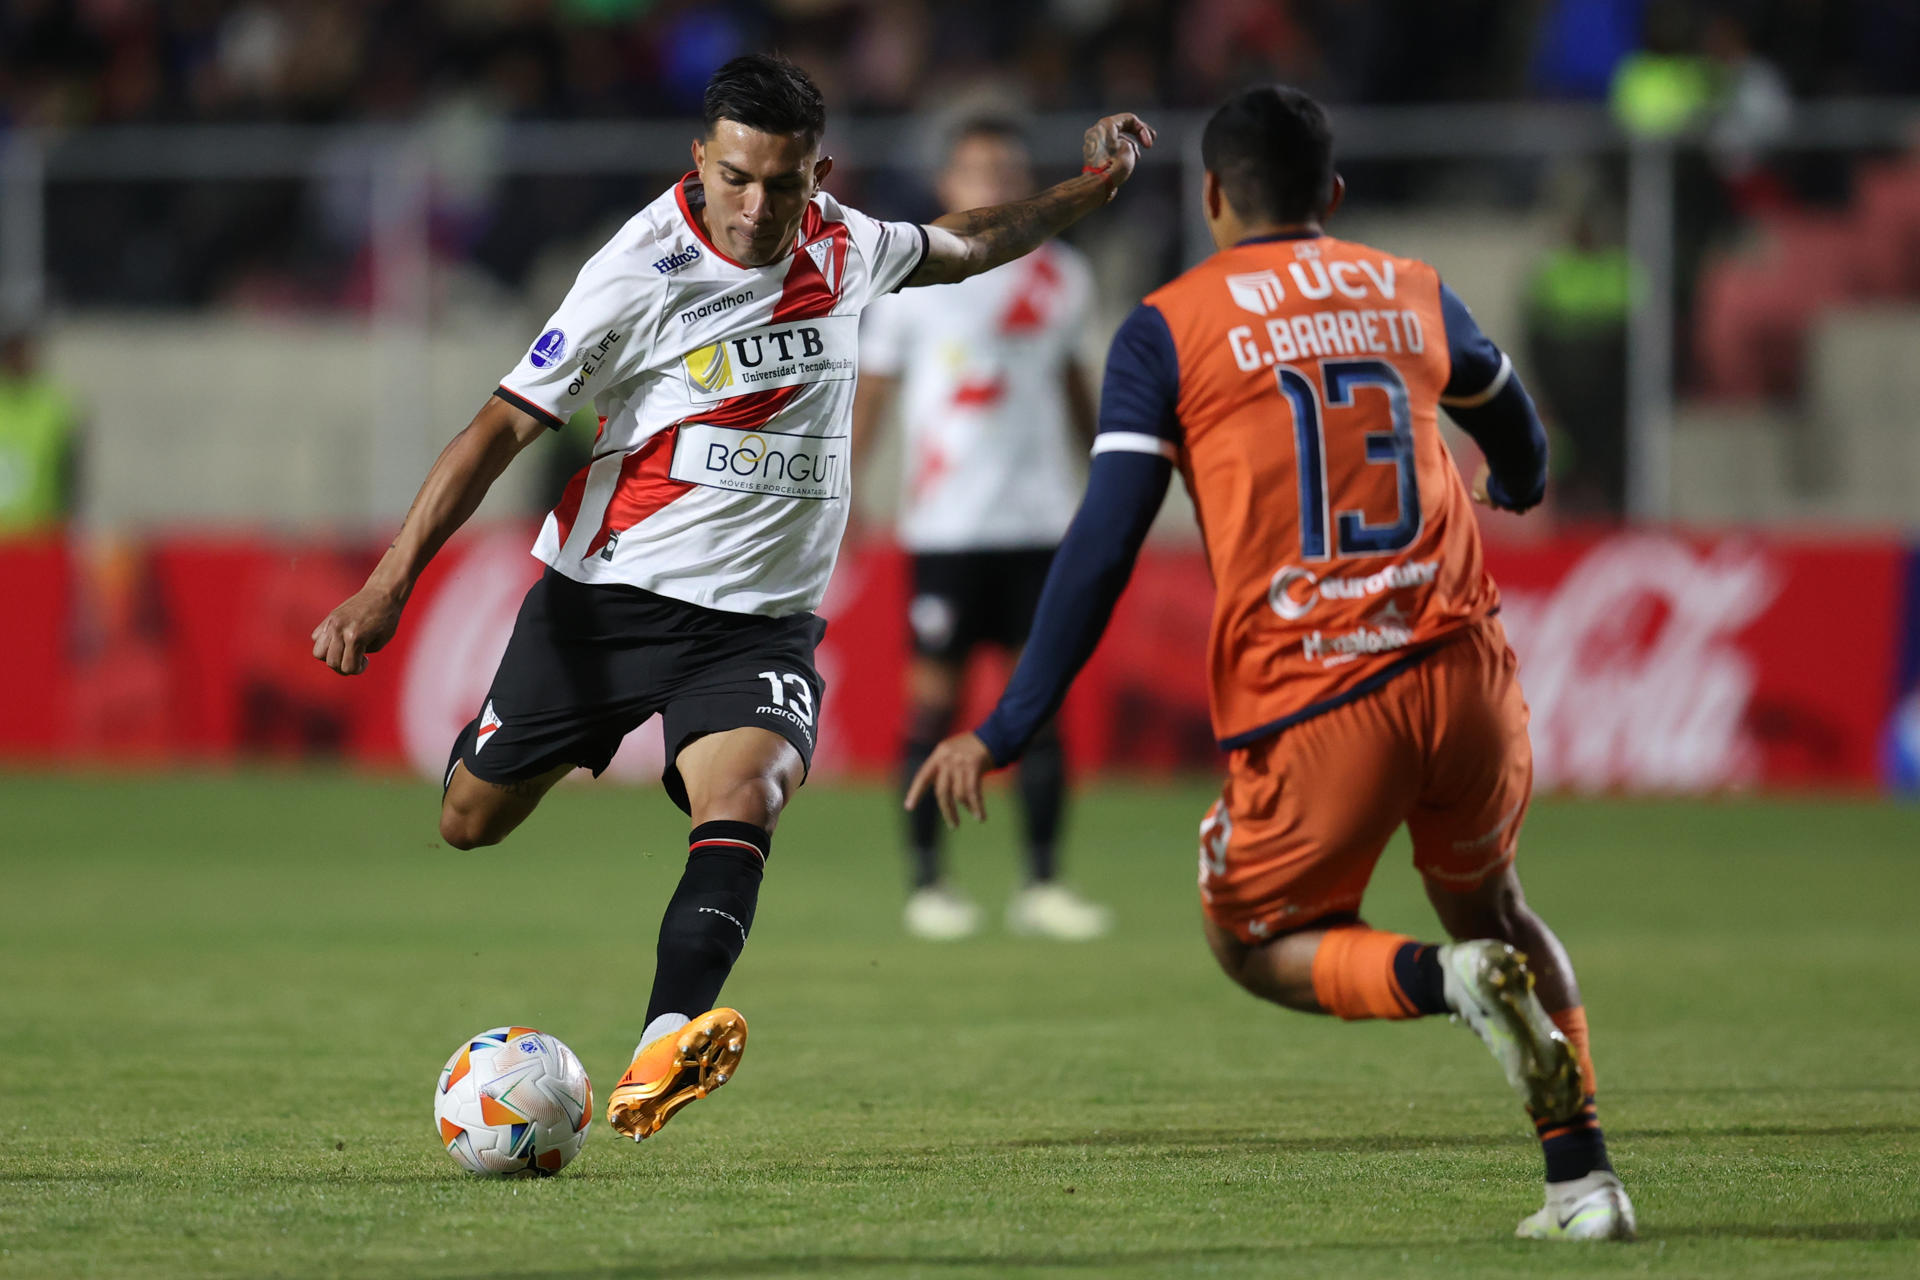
{"points": [[1306, 812]]}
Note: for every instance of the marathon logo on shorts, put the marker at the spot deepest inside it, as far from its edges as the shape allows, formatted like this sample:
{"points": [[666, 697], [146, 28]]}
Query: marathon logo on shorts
{"points": [[772, 356], [674, 261], [786, 466]]}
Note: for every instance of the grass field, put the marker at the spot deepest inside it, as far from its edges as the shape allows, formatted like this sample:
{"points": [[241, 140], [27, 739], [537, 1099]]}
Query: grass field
{"points": [[229, 998]]}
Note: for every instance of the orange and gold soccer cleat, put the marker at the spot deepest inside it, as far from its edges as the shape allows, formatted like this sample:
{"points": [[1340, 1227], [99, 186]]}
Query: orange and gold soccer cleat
{"points": [[675, 1069]]}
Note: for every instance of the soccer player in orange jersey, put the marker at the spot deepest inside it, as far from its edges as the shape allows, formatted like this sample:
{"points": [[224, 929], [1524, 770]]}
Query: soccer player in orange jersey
{"points": [[1360, 678]]}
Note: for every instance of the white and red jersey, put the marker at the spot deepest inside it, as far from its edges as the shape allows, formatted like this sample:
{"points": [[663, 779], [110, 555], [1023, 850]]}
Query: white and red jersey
{"points": [[991, 461], [719, 476]]}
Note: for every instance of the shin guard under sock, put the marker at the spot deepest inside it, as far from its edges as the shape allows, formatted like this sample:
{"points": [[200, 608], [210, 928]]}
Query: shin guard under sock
{"points": [[707, 921]]}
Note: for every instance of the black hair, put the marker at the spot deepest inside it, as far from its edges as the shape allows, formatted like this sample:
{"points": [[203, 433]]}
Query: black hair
{"points": [[999, 128], [1272, 150], [766, 93]]}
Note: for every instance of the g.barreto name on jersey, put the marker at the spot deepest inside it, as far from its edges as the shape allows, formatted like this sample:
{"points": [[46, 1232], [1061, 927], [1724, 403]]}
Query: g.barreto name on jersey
{"points": [[726, 392]]}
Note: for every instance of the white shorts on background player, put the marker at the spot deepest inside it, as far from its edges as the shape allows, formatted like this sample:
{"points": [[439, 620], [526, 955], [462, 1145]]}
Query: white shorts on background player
{"points": [[720, 475], [990, 458]]}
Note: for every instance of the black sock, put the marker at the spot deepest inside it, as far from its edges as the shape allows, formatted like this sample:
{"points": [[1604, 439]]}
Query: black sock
{"points": [[1574, 1148], [1043, 795], [1416, 968], [923, 823], [706, 923]]}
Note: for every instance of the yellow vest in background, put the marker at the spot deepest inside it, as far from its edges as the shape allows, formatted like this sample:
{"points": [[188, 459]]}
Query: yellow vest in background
{"points": [[36, 430]]}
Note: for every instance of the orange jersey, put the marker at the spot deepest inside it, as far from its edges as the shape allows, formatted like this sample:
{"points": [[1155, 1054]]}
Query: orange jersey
{"points": [[1341, 539]]}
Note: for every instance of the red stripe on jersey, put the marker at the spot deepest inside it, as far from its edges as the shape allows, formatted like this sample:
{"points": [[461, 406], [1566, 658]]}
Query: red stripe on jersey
{"points": [[568, 509], [809, 291], [645, 486], [979, 394]]}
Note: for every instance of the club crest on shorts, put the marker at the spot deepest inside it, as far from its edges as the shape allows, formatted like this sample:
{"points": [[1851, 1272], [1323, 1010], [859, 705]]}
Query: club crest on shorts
{"points": [[489, 725]]}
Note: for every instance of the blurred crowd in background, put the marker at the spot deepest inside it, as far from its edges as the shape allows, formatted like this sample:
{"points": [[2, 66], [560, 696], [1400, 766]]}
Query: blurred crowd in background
{"points": [[1725, 72], [77, 62]]}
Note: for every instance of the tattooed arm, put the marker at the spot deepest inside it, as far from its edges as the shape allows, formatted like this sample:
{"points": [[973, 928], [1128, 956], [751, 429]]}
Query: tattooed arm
{"points": [[965, 244]]}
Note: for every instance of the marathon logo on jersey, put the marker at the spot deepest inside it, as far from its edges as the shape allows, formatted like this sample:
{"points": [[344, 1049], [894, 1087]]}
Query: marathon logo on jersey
{"points": [[1257, 291], [591, 360], [769, 462], [1295, 591], [674, 261], [773, 356], [548, 348], [726, 302]]}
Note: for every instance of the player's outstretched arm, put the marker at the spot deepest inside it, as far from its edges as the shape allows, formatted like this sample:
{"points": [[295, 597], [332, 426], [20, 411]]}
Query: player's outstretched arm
{"points": [[457, 481], [965, 244]]}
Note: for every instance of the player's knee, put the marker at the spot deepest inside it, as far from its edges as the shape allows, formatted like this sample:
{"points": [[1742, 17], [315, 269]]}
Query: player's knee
{"points": [[466, 829], [757, 798]]}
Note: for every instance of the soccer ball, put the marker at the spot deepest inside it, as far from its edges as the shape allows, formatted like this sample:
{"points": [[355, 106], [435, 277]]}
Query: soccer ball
{"points": [[512, 1101]]}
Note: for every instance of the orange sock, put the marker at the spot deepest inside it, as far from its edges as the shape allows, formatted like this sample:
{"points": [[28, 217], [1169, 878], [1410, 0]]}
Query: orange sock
{"points": [[1354, 974], [1573, 1025]]}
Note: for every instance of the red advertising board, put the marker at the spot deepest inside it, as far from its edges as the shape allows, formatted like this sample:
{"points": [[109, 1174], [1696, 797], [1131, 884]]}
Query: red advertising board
{"points": [[1653, 662]]}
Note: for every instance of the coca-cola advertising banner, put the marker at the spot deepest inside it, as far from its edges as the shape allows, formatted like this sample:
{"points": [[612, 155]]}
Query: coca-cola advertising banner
{"points": [[1652, 661]]}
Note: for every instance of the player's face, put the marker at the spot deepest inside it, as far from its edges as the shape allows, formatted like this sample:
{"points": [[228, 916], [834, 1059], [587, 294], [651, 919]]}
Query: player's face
{"points": [[985, 170], [757, 186]]}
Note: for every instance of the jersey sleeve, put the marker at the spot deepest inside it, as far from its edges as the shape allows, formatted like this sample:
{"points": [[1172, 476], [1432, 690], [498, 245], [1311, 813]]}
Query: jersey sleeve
{"points": [[600, 335], [892, 250], [1141, 390], [1487, 399], [1477, 369], [884, 329]]}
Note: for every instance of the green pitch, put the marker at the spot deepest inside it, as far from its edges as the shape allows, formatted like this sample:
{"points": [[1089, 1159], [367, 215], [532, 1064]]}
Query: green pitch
{"points": [[226, 1001]]}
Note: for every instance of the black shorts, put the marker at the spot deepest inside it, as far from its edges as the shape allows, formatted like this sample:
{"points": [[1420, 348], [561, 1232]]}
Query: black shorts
{"points": [[589, 664], [964, 598]]}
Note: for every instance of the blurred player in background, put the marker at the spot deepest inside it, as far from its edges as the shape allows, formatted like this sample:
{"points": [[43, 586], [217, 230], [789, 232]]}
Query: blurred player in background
{"points": [[1360, 678], [996, 412], [717, 332], [40, 431]]}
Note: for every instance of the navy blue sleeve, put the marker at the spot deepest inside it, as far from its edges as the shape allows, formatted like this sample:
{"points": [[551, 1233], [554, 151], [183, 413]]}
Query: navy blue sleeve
{"points": [[1124, 491], [1484, 395], [1142, 382]]}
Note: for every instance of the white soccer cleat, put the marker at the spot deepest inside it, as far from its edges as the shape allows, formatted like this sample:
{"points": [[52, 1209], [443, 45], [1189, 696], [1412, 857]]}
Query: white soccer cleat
{"points": [[938, 914], [1488, 987], [1591, 1208], [1057, 912]]}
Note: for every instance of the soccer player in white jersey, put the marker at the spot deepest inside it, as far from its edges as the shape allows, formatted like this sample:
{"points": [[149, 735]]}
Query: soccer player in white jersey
{"points": [[716, 334], [997, 415]]}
